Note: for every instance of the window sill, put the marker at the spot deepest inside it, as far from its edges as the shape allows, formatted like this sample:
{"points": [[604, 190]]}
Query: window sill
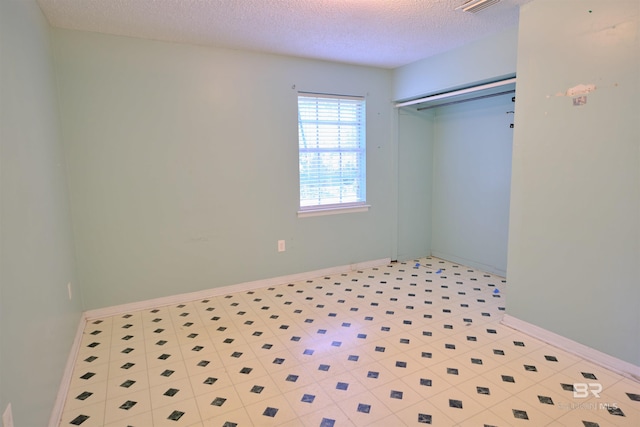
{"points": [[332, 211]]}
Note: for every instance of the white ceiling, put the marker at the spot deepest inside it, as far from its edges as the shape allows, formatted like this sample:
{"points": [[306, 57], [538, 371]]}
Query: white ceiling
{"points": [[381, 33]]}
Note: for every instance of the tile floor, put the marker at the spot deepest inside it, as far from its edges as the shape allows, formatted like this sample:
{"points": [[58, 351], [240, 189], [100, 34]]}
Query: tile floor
{"points": [[415, 343]]}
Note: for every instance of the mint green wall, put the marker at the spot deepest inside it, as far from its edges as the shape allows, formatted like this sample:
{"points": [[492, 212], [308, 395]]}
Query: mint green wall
{"points": [[471, 182], [490, 58], [38, 322], [574, 247], [183, 166], [415, 170]]}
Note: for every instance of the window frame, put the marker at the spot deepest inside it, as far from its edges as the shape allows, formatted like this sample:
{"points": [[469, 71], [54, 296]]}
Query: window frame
{"points": [[360, 149]]}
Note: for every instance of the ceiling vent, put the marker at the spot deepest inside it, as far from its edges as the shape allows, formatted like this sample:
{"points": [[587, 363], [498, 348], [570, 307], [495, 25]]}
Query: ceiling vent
{"points": [[475, 6]]}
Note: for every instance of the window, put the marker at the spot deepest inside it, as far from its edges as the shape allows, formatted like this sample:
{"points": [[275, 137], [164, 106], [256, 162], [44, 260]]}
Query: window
{"points": [[332, 152]]}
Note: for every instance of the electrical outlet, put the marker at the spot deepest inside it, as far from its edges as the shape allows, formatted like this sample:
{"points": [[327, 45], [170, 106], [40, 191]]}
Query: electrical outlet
{"points": [[281, 246], [69, 290], [7, 417]]}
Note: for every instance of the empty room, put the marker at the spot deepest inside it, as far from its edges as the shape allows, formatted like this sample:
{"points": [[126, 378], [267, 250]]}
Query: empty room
{"points": [[319, 213]]}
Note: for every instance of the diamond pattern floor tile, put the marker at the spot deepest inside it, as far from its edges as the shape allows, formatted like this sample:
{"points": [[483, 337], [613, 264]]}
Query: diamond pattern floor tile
{"points": [[413, 344]]}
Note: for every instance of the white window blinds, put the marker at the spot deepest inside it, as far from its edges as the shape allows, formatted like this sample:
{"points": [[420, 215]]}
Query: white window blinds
{"points": [[332, 151]]}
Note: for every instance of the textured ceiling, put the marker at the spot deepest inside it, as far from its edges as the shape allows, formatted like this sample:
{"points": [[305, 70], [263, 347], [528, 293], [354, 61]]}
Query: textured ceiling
{"points": [[382, 33]]}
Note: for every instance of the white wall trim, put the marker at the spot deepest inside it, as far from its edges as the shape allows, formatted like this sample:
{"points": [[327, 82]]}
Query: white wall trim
{"points": [[65, 383], [240, 287], [332, 211], [611, 363]]}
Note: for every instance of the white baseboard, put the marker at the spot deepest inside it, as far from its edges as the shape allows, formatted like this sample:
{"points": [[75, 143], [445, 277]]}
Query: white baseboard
{"points": [[241, 287], [58, 407], [609, 362]]}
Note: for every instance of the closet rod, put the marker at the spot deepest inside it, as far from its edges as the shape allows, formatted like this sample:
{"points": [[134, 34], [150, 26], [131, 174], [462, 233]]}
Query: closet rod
{"points": [[465, 100], [457, 92]]}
